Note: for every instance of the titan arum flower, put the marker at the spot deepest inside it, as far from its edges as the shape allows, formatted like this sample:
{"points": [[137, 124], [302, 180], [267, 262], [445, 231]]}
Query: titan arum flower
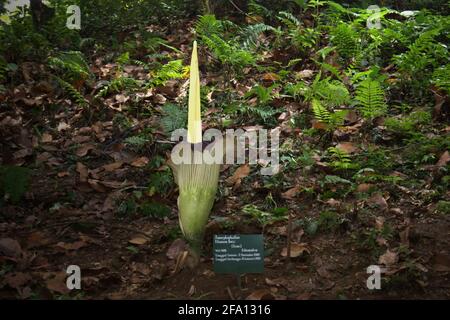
{"points": [[197, 180]]}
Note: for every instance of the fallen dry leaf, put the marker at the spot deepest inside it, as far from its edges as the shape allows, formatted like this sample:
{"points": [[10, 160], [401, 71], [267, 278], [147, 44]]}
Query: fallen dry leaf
{"points": [[262, 294], [63, 174], [297, 249], [84, 149], [270, 77], [291, 193], [347, 147], [17, 279], [58, 283], [138, 240], [10, 248], [441, 262], [46, 137], [364, 187], [95, 184], [388, 258], [112, 166], [140, 162], [378, 200], [304, 74], [240, 173], [63, 126], [83, 171], [71, 246], [177, 247], [443, 160]]}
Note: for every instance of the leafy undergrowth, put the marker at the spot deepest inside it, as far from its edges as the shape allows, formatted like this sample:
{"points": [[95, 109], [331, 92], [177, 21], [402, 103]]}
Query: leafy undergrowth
{"points": [[363, 115]]}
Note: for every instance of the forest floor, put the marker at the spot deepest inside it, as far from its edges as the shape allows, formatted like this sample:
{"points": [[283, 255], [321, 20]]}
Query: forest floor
{"points": [[85, 182]]}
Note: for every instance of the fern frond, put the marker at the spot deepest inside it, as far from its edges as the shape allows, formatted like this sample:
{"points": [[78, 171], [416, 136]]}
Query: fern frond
{"points": [[71, 66], [70, 90], [208, 25], [370, 97], [171, 70], [340, 159], [228, 53], [320, 112], [174, 118], [116, 85], [345, 39], [264, 112], [250, 34], [288, 19], [441, 78]]}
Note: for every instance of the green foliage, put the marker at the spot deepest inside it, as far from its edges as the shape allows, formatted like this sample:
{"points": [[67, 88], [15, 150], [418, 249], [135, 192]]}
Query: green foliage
{"points": [[175, 117], [207, 25], [335, 180], [332, 119], [71, 91], [263, 94], [345, 39], [70, 66], [301, 38], [171, 70], [13, 182], [407, 125], [264, 113], [320, 112], [441, 78], [443, 207], [264, 217], [331, 93], [154, 210], [340, 159], [160, 182], [370, 97], [228, 53], [329, 220], [367, 240], [289, 19], [118, 84], [137, 143], [250, 34], [423, 54]]}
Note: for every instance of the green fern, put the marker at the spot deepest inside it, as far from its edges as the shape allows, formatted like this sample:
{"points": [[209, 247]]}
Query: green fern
{"points": [[137, 143], [340, 159], [117, 85], [263, 113], [3, 69], [70, 90], [257, 9], [249, 36], [370, 97], [289, 19], [70, 66], [320, 112], [331, 93], [171, 70], [14, 182], [228, 53], [332, 119], [441, 78], [420, 55], [174, 118], [207, 25], [344, 38]]}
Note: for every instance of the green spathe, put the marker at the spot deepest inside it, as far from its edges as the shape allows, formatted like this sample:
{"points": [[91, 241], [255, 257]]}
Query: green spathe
{"points": [[197, 186]]}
